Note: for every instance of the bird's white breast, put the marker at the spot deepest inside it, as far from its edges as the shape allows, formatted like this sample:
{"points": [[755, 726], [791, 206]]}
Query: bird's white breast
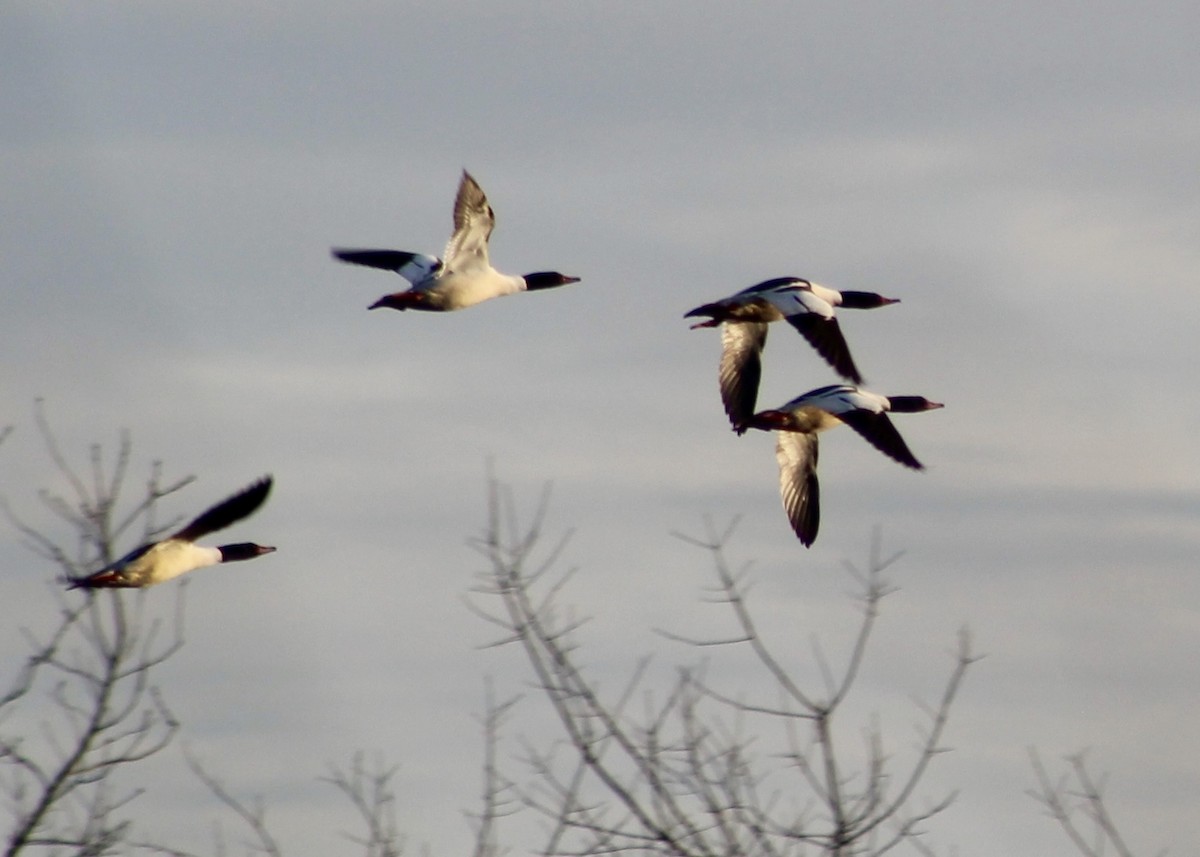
{"points": [[461, 290], [169, 559]]}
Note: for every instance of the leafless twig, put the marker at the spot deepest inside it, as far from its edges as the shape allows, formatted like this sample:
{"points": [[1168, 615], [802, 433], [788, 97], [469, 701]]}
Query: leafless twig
{"points": [[87, 683], [1077, 794], [686, 776]]}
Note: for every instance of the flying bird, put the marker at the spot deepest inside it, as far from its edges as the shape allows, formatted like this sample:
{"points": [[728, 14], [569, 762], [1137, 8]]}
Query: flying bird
{"points": [[464, 277], [806, 306], [178, 554], [797, 424]]}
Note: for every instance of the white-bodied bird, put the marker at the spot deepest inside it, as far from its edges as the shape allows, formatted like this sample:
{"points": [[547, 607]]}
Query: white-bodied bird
{"points": [[797, 424], [178, 554], [464, 276], [806, 306]]}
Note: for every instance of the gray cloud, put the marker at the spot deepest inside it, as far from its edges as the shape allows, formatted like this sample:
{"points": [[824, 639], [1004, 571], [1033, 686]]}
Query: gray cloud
{"points": [[1023, 180]]}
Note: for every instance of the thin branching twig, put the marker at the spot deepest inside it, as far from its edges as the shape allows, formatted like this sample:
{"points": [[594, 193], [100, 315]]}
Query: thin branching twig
{"points": [[685, 776], [87, 682]]}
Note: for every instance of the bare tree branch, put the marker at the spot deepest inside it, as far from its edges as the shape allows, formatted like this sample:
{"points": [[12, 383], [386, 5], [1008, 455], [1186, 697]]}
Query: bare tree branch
{"points": [[87, 684], [1077, 793], [370, 793], [252, 814], [497, 799], [685, 777]]}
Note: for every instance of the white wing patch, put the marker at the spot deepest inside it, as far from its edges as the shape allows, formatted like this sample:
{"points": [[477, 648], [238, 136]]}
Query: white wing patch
{"points": [[419, 268], [800, 302]]}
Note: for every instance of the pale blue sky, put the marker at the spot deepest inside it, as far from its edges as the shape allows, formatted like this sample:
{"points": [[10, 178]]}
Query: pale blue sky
{"points": [[1023, 178]]}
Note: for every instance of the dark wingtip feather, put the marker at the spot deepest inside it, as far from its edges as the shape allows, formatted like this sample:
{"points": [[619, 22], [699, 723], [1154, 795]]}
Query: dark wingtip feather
{"points": [[879, 431], [807, 520], [385, 260], [228, 511], [825, 335]]}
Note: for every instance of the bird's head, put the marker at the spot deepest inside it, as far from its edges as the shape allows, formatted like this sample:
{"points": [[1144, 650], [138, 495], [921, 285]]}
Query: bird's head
{"points": [[243, 550], [547, 280]]}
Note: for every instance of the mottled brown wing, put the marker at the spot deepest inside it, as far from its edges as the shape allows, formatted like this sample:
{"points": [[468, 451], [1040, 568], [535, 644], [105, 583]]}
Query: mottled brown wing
{"points": [[741, 370], [799, 489], [473, 224]]}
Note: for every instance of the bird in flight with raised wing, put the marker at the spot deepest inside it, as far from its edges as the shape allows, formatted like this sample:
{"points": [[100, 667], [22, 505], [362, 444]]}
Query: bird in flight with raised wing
{"points": [[463, 276], [806, 306], [157, 562], [797, 425]]}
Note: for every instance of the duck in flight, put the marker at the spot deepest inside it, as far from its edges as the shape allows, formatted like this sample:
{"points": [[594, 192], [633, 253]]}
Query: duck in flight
{"points": [[464, 277], [178, 554], [806, 306], [797, 424]]}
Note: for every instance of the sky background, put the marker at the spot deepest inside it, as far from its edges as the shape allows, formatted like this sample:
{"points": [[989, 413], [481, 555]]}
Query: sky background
{"points": [[1024, 177]]}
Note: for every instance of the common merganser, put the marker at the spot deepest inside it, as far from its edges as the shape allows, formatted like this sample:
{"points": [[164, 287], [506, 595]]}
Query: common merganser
{"points": [[178, 554], [799, 421], [464, 277], [806, 306]]}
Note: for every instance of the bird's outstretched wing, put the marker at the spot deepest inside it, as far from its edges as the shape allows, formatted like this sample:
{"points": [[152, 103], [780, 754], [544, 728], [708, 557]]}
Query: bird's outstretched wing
{"points": [[473, 224], [414, 267], [741, 370], [825, 335], [227, 512], [878, 430], [798, 486]]}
